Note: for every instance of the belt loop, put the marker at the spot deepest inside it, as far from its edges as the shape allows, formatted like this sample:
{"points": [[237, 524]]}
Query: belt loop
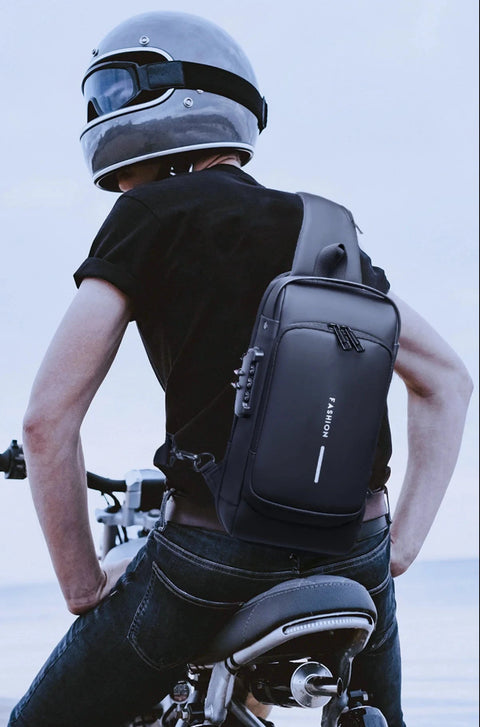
{"points": [[295, 563]]}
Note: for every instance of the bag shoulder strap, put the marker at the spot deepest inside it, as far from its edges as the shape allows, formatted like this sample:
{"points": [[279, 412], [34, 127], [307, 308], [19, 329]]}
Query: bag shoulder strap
{"points": [[327, 245]]}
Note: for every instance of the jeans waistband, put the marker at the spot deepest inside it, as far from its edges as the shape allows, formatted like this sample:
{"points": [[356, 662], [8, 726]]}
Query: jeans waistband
{"points": [[221, 548]]}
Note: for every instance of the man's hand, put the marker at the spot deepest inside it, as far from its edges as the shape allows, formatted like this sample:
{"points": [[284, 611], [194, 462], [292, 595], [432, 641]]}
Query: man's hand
{"points": [[111, 573], [399, 560]]}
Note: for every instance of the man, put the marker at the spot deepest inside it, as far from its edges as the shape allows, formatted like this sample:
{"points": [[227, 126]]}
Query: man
{"points": [[187, 251]]}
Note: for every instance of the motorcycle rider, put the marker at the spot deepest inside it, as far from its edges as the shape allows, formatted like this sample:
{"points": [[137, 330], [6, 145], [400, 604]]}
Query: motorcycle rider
{"points": [[173, 113]]}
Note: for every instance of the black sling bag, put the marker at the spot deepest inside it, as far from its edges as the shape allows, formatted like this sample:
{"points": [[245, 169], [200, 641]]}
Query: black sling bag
{"points": [[310, 397]]}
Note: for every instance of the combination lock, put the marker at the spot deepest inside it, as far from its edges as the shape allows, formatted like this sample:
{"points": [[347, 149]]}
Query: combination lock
{"points": [[246, 381]]}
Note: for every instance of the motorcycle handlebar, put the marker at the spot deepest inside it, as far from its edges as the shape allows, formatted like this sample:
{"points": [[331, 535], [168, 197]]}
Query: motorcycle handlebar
{"points": [[104, 484]]}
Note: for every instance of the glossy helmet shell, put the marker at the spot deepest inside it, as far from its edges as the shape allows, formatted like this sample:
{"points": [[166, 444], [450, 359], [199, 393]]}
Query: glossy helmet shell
{"points": [[178, 120]]}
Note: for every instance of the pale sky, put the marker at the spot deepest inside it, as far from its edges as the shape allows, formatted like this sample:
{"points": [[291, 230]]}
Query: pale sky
{"points": [[373, 103]]}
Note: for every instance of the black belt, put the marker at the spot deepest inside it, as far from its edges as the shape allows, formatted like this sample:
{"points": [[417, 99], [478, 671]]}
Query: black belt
{"points": [[372, 527]]}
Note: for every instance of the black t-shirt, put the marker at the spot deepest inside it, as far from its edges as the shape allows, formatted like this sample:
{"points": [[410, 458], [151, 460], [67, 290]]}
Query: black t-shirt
{"points": [[194, 254]]}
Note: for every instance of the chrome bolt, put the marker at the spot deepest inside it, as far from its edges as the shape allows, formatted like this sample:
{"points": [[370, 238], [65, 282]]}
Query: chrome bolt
{"points": [[144, 40], [188, 102]]}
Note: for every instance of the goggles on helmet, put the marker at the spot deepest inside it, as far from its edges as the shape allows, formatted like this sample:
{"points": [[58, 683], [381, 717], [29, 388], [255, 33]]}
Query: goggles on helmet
{"points": [[115, 85]]}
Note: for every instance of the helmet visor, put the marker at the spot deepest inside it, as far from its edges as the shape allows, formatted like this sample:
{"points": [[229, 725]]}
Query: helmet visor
{"points": [[110, 88]]}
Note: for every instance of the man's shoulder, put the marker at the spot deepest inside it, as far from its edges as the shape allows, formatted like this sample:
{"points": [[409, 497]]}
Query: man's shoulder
{"points": [[217, 188]]}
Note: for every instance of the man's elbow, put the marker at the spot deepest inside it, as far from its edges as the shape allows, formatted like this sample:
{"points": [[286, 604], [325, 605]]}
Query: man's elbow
{"points": [[37, 430], [43, 429], [468, 385], [458, 385], [448, 383], [464, 382]]}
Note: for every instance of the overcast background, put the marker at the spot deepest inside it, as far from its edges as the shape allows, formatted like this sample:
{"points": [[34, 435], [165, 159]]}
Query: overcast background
{"points": [[372, 103]]}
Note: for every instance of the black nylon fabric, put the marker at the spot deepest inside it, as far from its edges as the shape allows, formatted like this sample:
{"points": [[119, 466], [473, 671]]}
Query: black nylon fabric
{"points": [[194, 253]]}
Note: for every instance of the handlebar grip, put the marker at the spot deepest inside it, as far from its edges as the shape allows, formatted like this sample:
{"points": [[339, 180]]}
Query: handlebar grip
{"points": [[104, 484], [12, 462]]}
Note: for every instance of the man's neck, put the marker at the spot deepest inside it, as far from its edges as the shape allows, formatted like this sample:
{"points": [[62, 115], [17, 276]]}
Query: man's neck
{"points": [[215, 159]]}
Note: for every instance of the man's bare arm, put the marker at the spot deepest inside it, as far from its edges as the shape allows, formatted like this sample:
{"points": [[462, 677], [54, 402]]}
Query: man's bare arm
{"points": [[74, 366], [439, 389]]}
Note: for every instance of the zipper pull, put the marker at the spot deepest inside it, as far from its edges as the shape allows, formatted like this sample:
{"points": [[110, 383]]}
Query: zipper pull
{"points": [[346, 338], [342, 338], [353, 339]]}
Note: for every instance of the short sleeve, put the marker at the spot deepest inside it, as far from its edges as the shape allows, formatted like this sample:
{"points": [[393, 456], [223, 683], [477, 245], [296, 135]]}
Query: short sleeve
{"points": [[373, 276], [122, 247]]}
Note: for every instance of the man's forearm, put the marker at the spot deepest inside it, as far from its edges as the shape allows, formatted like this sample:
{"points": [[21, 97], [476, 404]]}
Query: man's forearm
{"points": [[435, 428], [56, 474], [75, 364]]}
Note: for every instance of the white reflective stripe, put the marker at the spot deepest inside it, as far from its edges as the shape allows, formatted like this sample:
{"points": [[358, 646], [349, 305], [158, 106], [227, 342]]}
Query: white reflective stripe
{"points": [[319, 464]]}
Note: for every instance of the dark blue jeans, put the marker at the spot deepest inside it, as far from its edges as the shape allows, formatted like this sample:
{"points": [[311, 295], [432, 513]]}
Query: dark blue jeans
{"points": [[122, 657]]}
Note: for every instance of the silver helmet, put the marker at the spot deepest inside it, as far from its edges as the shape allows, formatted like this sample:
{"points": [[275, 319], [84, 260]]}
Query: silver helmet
{"points": [[163, 84]]}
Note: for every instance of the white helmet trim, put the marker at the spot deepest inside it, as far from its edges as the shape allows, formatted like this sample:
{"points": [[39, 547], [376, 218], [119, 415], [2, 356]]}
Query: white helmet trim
{"points": [[135, 107], [233, 146]]}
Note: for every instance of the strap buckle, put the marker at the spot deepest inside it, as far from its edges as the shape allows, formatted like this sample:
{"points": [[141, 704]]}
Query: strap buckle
{"points": [[169, 453], [199, 461]]}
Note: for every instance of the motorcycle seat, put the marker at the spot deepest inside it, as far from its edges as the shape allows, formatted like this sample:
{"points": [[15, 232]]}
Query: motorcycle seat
{"points": [[318, 596]]}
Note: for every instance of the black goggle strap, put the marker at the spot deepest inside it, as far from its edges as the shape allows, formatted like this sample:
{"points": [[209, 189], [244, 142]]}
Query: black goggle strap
{"points": [[184, 74]]}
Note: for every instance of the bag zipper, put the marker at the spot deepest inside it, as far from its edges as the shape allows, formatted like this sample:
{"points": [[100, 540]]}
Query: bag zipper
{"points": [[325, 328]]}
